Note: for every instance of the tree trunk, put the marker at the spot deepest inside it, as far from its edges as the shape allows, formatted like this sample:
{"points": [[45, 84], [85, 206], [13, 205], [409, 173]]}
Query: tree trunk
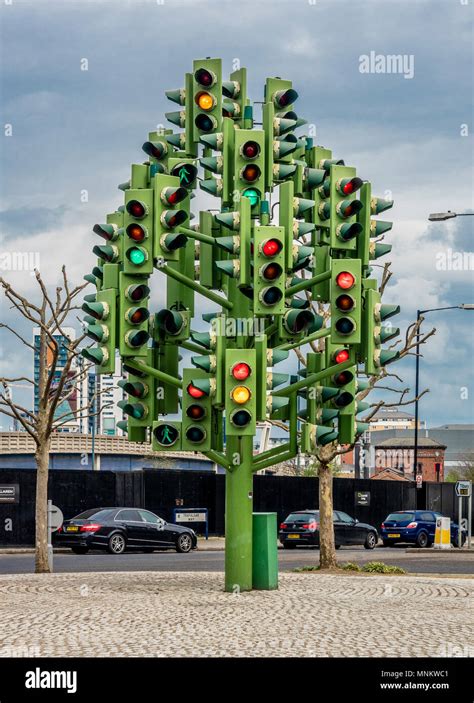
{"points": [[327, 549], [41, 537]]}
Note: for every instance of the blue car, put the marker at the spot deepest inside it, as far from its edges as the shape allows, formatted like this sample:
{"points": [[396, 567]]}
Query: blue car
{"points": [[415, 527]]}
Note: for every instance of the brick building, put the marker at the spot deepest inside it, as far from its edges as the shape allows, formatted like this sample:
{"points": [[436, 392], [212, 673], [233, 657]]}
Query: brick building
{"points": [[397, 453]]}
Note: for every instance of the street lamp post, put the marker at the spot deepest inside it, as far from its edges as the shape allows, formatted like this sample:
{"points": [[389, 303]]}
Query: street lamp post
{"points": [[463, 306], [440, 216]]}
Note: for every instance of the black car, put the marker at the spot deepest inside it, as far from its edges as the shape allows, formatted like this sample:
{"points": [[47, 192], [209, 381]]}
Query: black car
{"points": [[118, 529], [302, 527]]}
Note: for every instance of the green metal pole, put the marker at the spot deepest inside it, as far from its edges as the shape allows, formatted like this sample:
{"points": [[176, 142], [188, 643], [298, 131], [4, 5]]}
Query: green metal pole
{"points": [[190, 346], [273, 461], [206, 238], [238, 515], [306, 340], [160, 375], [271, 452], [307, 283], [219, 458], [314, 378], [196, 287]]}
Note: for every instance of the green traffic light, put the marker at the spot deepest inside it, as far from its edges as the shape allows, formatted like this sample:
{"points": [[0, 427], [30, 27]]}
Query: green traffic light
{"points": [[253, 195], [137, 256]]}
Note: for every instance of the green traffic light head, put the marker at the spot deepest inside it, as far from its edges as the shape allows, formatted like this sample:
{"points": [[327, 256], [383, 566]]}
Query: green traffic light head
{"points": [[107, 232], [378, 205], [157, 150], [107, 252], [297, 321], [284, 98], [136, 389], [253, 195], [177, 95], [206, 362], [99, 311], [178, 118], [137, 255], [171, 241], [347, 231], [99, 333], [137, 315], [138, 411], [348, 208], [97, 356], [170, 322], [137, 292], [136, 338]]}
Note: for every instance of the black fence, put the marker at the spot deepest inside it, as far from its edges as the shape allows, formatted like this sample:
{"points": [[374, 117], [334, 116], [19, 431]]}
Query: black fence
{"points": [[162, 490]]}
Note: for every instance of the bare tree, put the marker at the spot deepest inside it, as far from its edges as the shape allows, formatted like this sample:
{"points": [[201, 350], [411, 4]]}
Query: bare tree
{"points": [[325, 455], [56, 383]]}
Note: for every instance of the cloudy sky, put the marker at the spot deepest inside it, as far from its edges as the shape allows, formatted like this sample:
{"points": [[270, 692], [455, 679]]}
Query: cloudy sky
{"points": [[71, 134]]}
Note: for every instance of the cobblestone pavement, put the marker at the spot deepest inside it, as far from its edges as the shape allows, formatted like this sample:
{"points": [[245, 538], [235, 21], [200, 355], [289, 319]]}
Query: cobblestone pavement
{"points": [[188, 614]]}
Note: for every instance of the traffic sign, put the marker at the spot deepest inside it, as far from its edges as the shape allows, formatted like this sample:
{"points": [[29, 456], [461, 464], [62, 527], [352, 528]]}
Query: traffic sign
{"points": [[464, 489], [56, 518], [419, 480]]}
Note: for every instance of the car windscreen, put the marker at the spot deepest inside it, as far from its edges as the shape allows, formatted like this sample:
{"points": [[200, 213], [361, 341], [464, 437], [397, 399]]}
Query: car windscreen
{"points": [[400, 517], [96, 513], [302, 517]]}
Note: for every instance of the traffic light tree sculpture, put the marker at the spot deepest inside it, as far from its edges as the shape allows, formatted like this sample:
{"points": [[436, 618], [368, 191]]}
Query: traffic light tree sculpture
{"points": [[302, 280]]}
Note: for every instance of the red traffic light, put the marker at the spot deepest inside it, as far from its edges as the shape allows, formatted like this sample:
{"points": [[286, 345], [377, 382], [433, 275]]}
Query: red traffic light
{"points": [[136, 232], [250, 173], [137, 292], [345, 280], [195, 392], [250, 150], [241, 371], [196, 412], [136, 316], [346, 186], [343, 378], [137, 209], [270, 272], [271, 247], [340, 356], [173, 196], [204, 77], [348, 208]]}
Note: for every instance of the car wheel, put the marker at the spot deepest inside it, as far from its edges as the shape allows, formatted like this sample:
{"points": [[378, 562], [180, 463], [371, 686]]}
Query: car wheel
{"points": [[116, 544], [184, 543], [80, 550], [370, 541], [289, 545], [338, 546], [422, 540]]}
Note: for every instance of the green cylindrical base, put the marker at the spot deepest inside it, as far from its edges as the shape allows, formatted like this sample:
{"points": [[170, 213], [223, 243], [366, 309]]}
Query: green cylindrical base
{"points": [[238, 516], [265, 553]]}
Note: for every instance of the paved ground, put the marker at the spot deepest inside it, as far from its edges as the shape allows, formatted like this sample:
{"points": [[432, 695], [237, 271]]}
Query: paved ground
{"points": [[213, 560], [169, 614]]}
